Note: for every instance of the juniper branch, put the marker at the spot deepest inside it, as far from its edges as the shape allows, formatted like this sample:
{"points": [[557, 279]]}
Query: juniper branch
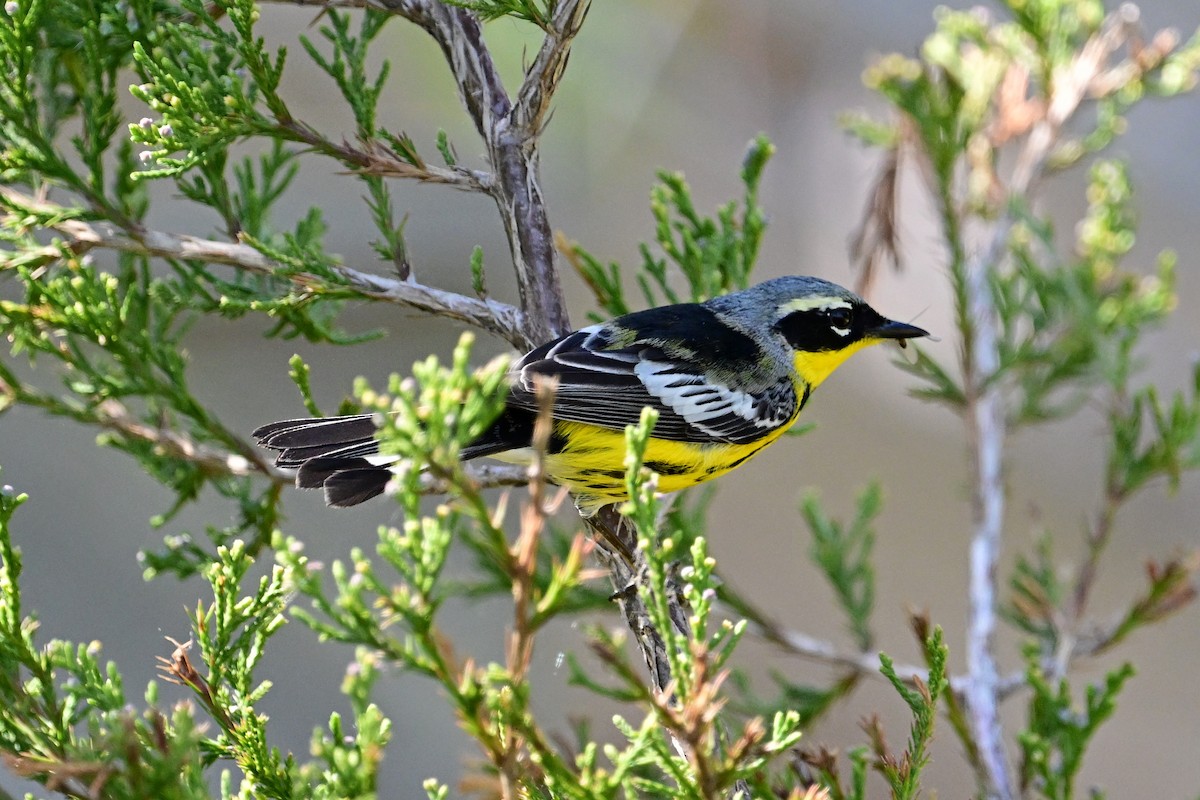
{"points": [[512, 150], [542, 78], [81, 237], [984, 413]]}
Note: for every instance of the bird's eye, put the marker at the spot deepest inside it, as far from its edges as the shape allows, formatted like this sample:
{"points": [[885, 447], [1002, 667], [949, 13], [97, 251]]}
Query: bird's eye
{"points": [[840, 317]]}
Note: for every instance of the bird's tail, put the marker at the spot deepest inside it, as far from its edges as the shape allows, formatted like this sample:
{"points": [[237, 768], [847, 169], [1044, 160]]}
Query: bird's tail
{"points": [[339, 454]]}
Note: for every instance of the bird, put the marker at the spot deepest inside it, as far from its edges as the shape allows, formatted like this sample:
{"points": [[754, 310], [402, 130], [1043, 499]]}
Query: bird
{"points": [[727, 376]]}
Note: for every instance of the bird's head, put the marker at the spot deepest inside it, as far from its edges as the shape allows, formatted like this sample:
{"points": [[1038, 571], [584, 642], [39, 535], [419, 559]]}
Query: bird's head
{"points": [[821, 323]]}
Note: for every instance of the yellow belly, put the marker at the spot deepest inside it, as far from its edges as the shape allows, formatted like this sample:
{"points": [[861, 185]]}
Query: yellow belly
{"points": [[592, 464]]}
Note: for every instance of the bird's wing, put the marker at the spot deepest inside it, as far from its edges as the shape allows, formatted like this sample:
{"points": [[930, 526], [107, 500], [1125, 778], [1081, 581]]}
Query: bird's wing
{"points": [[608, 387]]}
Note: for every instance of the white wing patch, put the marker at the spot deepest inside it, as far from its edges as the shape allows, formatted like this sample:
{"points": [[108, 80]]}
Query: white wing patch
{"points": [[613, 362], [697, 400]]}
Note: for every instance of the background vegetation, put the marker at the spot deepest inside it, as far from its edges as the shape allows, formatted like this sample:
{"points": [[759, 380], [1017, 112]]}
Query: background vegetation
{"points": [[102, 298]]}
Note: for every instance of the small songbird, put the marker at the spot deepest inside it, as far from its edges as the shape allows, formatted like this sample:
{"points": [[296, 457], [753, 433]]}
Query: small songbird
{"points": [[727, 376]]}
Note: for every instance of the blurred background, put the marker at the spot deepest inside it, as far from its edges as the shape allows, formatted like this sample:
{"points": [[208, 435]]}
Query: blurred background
{"points": [[680, 85]]}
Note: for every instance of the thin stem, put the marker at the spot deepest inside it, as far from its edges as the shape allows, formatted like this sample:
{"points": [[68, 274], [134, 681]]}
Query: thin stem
{"points": [[542, 78], [985, 433], [375, 159], [490, 315], [984, 409], [512, 147], [1098, 535]]}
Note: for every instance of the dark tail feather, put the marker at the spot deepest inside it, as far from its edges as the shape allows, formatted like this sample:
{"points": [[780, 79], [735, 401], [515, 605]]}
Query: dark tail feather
{"points": [[294, 457], [329, 453], [300, 441], [331, 432], [333, 452], [349, 487], [313, 474]]}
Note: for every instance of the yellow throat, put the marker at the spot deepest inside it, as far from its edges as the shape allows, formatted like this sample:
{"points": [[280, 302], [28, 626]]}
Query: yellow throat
{"points": [[814, 368]]}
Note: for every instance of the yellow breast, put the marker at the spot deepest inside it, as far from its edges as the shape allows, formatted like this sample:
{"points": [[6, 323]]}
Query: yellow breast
{"points": [[814, 368]]}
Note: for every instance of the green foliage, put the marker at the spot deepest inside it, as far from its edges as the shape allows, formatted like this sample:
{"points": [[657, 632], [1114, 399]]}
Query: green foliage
{"points": [[196, 78], [1037, 591], [64, 716], [990, 107], [698, 652], [538, 13], [232, 633], [116, 332], [844, 554], [1058, 733], [114, 326], [1068, 330], [903, 774], [116, 340], [1071, 329], [61, 61], [712, 255]]}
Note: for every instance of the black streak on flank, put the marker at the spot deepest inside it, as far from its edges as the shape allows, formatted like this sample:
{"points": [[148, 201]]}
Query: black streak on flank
{"points": [[742, 460], [667, 468], [804, 397]]}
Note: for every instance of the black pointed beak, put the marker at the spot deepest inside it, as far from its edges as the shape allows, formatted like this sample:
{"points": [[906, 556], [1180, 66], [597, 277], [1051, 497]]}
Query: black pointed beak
{"points": [[890, 329]]}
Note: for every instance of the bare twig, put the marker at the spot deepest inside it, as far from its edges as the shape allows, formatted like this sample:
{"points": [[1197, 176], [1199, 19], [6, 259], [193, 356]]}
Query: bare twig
{"points": [[511, 133], [985, 433], [484, 476], [826, 652], [65, 777], [498, 318], [374, 158], [512, 150], [984, 414], [114, 416], [822, 651], [1097, 537], [616, 546], [541, 80], [877, 238]]}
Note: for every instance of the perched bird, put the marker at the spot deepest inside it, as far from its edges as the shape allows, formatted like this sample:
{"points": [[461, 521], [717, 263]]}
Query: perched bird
{"points": [[727, 376]]}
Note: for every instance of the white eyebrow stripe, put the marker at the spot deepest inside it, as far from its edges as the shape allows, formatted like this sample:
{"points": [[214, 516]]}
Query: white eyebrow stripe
{"points": [[810, 303]]}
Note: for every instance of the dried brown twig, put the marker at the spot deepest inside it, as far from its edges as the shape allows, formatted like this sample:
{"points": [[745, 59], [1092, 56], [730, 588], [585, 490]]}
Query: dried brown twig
{"points": [[877, 238]]}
